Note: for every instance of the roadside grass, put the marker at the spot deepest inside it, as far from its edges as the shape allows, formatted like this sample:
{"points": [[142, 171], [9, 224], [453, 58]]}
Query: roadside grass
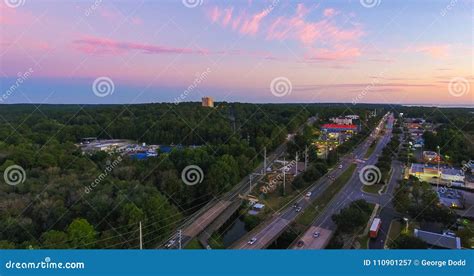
{"points": [[275, 200], [394, 231], [194, 244], [318, 205], [372, 189], [363, 241], [371, 149], [216, 242]]}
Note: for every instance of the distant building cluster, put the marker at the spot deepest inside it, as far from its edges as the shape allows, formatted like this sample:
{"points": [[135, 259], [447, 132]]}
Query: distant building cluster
{"points": [[416, 127], [124, 147], [207, 102], [335, 133], [431, 167]]}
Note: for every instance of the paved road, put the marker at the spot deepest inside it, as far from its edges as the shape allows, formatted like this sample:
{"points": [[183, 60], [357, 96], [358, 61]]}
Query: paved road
{"points": [[350, 192], [201, 219], [275, 226]]}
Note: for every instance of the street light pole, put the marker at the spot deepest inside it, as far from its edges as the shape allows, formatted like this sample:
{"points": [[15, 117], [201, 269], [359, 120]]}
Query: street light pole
{"points": [[439, 174]]}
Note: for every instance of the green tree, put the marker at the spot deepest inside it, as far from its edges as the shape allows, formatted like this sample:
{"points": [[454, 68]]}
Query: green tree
{"points": [[54, 240], [81, 234]]}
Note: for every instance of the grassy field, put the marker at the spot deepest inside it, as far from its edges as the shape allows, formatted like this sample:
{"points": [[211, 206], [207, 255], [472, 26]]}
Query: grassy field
{"points": [[310, 213]]}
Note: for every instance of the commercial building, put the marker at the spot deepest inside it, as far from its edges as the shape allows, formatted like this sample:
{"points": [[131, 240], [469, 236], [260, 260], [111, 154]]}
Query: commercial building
{"points": [[445, 175], [438, 240], [338, 128], [111, 145], [452, 175], [422, 170], [451, 198], [430, 156], [345, 120], [207, 102]]}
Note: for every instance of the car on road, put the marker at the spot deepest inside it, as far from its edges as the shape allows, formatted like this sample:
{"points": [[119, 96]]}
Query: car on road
{"points": [[316, 235], [298, 209], [295, 205], [252, 241], [300, 243], [340, 166], [170, 243], [308, 194]]}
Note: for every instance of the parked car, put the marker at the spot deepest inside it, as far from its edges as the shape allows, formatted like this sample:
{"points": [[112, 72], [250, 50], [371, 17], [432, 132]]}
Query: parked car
{"points": [[316, 235], [298, 209], [340, 166], [308, 194], [300, 243]]}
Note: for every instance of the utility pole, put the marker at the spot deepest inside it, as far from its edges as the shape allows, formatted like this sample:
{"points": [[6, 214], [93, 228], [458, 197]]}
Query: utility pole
{"points": [[179, 238], [141, 236], [305, 158], [284, 173], [439, 174], [250, 183], [264, 160], [296, 169]]}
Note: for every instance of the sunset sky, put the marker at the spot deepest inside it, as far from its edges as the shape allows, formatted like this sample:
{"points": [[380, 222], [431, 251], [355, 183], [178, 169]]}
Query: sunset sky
{"points": [[377, 51]]}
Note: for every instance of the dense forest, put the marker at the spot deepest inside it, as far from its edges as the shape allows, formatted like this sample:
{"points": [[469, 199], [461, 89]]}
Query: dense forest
{"points": [[53, 209]]}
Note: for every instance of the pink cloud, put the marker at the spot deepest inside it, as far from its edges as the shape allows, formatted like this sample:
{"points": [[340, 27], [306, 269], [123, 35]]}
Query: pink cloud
{"points": [[251, 25], [329, 12], [214, 14], [9, 16], [435, 51], [93, 45], [331, 41], [307, 32], [227, 16], [136, 20]]}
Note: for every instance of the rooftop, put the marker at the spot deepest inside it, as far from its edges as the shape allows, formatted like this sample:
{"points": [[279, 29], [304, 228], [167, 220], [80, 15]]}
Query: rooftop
{"points": [[339, 126], [439, 240]]}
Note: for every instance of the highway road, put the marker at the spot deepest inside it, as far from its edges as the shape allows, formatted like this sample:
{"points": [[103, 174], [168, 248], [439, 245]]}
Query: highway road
{"points": [[271, 229], [350, 192], [197, 222]]}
